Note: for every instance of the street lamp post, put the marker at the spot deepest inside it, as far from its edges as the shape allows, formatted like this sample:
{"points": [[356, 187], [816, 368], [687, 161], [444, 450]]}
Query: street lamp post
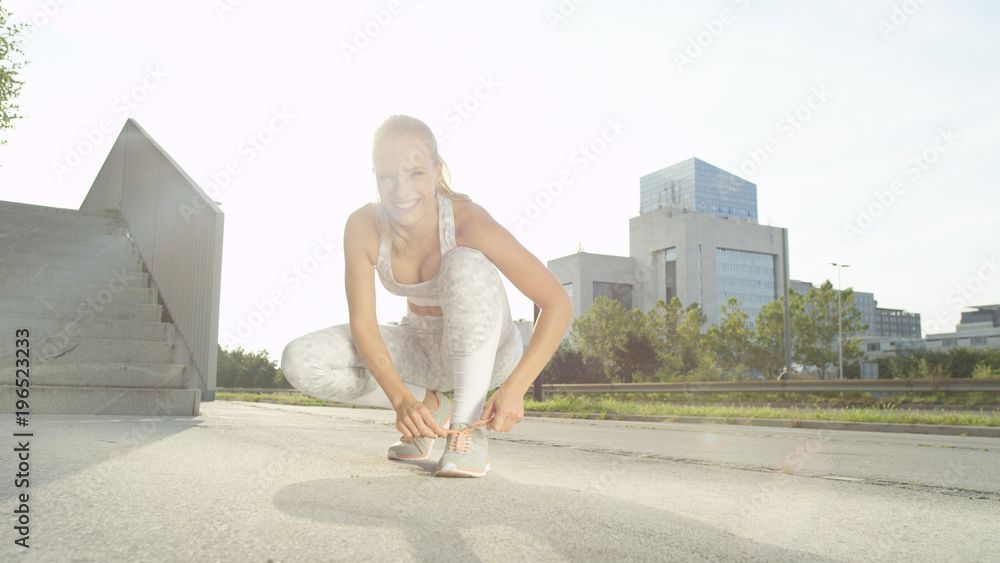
{"points": [[840, 317]]}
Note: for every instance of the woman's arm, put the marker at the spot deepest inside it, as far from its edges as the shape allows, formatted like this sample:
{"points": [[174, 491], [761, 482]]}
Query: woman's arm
{"points": [[413, 418], [480, 231]]}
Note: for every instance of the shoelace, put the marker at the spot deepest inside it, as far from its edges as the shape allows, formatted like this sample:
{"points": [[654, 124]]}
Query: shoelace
{"points": [[463, 437]]}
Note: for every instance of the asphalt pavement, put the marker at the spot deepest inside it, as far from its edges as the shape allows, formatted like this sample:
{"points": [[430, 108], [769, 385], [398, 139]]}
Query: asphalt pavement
{"points": [[264, 482]]}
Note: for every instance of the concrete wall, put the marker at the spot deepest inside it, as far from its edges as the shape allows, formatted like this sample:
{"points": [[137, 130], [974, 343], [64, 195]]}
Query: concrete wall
{"points": [[651, 233], [583, 269]]}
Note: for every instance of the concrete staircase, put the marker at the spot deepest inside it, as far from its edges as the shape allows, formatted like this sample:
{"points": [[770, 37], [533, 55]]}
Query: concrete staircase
{"points": [[99, 342]]}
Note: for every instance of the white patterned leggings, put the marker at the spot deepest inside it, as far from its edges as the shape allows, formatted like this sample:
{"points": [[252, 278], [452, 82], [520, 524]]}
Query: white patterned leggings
{"points": [[470, 349]]}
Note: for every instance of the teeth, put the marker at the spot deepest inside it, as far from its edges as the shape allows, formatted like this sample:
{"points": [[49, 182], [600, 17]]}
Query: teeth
{"points": [[405, 205]]}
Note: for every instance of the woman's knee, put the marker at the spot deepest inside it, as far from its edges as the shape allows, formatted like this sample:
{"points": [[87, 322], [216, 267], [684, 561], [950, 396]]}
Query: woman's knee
{"points": [[468, 275], [463, 261], [320, 362]]}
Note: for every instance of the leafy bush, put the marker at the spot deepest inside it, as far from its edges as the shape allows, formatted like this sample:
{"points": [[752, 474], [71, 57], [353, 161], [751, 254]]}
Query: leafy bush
{"points": [[248, 370]]}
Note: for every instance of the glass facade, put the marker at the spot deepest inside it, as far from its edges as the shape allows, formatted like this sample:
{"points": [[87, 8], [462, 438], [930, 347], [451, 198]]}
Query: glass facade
{"points": [[620, 292], [865, 304], [747, 276], [895, 322], [698, 186]]}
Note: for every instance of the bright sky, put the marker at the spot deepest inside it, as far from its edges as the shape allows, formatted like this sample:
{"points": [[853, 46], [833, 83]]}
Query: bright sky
{"points": [[841, 104]]}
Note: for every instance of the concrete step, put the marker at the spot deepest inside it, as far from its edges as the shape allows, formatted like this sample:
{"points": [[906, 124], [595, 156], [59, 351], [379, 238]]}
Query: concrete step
{"points": [[115, 290], [46, 307], [70, 260], [89, 327], [13, 213], [15, 233], [117, 374], [116, 247], [90, 275], [103, 401], [90, 350]]}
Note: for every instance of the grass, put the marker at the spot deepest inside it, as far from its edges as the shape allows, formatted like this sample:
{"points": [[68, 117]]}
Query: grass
{"points": [[603, 405], [885, 413], [299, 399]]}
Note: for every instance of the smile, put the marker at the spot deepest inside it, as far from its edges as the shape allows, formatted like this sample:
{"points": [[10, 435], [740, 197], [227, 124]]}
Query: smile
{"points": [[409, 204]]}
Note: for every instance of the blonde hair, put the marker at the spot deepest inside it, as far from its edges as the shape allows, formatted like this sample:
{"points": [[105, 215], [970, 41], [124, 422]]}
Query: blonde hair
{"points": [[405, 125]]}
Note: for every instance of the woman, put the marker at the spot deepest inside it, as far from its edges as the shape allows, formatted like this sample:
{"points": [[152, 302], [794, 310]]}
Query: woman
{"points": [[441, 251]]}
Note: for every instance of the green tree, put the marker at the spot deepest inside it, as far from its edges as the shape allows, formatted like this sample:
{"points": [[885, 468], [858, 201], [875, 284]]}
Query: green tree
{"points": [[606, 331], [635, 359], [769, 334], [676, 332], [568, 365], [816, 332], [731, 341], [248, 370], [10, 66]]}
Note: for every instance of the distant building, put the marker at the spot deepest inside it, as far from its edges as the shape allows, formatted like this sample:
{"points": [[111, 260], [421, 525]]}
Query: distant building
{"points": [[675, 249], [890, 331], [979, 328], [696, 185], [703, 259]]}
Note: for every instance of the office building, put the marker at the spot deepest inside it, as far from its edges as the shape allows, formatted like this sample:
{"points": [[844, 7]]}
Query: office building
{"points": [[696, 185], [678, 251]]}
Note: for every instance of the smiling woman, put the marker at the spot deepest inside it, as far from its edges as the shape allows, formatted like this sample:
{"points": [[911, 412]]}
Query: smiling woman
{"points": [[442, 252]]}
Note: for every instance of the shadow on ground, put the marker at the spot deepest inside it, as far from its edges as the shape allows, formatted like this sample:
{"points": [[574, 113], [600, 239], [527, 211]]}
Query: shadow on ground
{"points": [[493, 518]]}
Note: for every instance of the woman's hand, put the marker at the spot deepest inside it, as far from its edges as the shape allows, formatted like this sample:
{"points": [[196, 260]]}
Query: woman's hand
{"points": [[504, 409], [414, 420]]}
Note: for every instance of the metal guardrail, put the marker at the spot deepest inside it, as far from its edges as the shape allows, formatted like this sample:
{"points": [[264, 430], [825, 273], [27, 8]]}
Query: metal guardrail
{"points": [[177, 228], [254, 390], [792, 386], [789, 386]]}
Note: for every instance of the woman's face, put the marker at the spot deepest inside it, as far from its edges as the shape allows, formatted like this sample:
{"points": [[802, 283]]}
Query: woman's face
{"points": [[405, 173]]}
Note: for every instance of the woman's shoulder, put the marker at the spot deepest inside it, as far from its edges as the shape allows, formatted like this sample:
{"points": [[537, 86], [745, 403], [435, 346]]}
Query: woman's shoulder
{"points": [[466, 210], [472, 221], [361, 230]]}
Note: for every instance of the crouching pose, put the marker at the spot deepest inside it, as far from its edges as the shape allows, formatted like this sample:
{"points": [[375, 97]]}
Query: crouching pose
{"points": [[442, 252]]}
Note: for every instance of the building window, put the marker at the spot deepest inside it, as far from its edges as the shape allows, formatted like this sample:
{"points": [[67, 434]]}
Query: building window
{"points": [[875, 347], [620, 292], [752, 281], [948, 342], [670, 272], [979, 341]]}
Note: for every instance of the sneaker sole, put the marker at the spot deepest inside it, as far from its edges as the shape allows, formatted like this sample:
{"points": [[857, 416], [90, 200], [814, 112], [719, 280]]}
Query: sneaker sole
{"points": [[451, 470], [446, 425], [395, 457]]}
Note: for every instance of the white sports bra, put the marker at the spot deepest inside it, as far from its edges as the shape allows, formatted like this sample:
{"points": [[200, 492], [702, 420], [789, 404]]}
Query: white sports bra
{"points": [[426, 293]]}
